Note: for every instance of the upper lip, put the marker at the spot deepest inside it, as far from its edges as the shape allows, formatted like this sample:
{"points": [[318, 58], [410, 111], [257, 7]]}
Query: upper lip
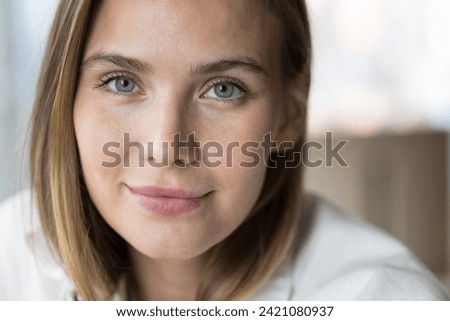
{"points": [[160, 191]]}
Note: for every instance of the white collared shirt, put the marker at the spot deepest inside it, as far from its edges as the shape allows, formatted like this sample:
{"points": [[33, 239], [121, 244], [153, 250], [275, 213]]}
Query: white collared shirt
{"points": [[338, 257]]}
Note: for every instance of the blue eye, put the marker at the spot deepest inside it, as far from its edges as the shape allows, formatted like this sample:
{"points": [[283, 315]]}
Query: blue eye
{"points": [[119, 84], [122, 84], [224, 90]]}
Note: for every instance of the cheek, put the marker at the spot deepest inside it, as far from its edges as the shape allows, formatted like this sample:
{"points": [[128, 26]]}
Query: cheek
{"points": [[241, 189], [243, 167], [94, 127], [94, 130]]}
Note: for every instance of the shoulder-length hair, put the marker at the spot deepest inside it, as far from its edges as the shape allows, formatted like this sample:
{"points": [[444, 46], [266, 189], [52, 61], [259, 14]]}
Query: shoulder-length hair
{"points": [[93, 255]]}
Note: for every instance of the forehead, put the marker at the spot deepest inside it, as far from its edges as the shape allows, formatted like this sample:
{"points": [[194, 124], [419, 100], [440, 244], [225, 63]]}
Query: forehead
{"points": [[193, 30]]}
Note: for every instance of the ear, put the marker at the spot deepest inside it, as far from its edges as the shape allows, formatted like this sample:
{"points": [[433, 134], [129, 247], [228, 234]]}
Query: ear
{"points": [[292, 124]]}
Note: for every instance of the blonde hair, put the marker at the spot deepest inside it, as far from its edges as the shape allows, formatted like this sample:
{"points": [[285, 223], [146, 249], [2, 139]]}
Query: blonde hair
{"points": [[93, 254]]}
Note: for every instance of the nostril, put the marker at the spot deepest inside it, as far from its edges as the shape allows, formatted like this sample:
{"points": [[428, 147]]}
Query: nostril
{"points": [[180, 163]]}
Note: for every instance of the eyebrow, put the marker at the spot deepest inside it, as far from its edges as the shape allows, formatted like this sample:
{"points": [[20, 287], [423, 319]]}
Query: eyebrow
{"points": [[247, 63], [117, 60], [133, 64]]}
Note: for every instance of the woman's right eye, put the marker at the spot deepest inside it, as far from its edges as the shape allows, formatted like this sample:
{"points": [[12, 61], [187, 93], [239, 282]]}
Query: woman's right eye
{"points": [[120, 85]]}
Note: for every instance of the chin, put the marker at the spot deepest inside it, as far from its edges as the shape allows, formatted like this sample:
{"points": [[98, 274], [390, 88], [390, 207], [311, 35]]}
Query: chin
{"points": [[173, 251]]}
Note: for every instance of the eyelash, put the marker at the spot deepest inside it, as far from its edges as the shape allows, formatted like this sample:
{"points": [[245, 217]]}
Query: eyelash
{"points": [[215, 82], [226, 80], [112, 76]]}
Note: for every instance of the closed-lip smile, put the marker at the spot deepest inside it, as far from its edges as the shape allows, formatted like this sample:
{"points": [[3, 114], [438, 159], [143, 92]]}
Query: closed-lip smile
{"points": [[166, 201]]}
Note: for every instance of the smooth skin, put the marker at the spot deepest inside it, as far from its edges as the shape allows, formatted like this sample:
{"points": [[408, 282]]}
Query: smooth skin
{"points": [[156, 68]]}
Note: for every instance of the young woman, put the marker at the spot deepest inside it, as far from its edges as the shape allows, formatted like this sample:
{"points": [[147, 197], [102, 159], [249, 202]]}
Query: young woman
{"points": [[148, 178]]}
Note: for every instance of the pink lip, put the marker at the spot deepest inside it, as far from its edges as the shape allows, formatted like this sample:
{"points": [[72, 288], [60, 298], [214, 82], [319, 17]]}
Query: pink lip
{"points": [[166, 201]]}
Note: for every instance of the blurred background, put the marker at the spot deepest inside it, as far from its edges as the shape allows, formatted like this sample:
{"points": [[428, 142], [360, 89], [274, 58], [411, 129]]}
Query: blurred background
{"points": [[381, 79]]}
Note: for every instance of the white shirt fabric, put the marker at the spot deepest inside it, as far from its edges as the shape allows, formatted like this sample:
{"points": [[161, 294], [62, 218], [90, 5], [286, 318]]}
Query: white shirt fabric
{"points": [[336, 257]]}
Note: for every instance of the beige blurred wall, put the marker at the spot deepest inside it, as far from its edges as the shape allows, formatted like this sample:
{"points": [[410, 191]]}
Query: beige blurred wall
{"points": [[398, 182]]}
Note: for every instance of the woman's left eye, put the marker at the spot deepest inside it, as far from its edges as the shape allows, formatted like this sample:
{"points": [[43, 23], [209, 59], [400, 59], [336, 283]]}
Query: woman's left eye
{"points": [[224, 91]]}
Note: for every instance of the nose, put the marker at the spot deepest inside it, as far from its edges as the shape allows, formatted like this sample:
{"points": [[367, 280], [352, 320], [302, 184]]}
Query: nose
{"points": [[170, 139]]}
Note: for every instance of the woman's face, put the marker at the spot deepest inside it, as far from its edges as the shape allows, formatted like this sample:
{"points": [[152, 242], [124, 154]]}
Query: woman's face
{"points": [[152, 69]]}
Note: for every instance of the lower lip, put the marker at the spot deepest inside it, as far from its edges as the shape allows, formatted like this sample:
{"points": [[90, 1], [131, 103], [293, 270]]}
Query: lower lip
{"points": [[169, 206]]}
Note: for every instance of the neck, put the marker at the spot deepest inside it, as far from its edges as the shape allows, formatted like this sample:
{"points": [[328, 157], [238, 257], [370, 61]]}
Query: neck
{"points": [[165, 279]]}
